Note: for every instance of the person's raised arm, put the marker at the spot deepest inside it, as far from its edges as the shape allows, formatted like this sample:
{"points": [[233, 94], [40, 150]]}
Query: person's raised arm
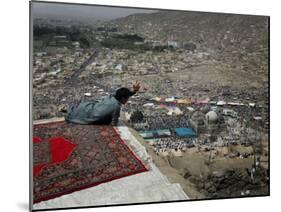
{"points": [[136, 87]]}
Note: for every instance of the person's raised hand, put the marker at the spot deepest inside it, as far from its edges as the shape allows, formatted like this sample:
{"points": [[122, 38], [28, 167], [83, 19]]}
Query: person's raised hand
{"points": [[136, 86]]}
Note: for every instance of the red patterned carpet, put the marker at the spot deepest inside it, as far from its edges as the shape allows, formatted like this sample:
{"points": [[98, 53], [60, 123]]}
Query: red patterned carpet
{"points": [[69, 157]]}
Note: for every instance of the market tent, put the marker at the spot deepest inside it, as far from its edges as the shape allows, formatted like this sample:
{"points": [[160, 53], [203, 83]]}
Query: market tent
{"points": [[185, 132], [155, 133]]}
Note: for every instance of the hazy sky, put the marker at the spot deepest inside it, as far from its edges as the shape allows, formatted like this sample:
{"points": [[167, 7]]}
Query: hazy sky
{"points": [[74, 11]]}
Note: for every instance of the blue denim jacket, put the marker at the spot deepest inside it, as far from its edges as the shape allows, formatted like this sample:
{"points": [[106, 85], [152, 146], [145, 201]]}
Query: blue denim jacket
{"points": [[92, 112]]}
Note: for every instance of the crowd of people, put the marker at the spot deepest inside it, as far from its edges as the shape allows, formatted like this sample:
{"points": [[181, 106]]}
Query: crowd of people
{"points": [[172, 143]]}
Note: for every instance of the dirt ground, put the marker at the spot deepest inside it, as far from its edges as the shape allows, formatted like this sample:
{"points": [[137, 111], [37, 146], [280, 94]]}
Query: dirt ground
{"points": [[202, 178]]}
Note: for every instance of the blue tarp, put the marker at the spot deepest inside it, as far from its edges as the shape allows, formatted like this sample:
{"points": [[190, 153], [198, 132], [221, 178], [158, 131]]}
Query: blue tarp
{"points": [[185, 132], [155, 133]]}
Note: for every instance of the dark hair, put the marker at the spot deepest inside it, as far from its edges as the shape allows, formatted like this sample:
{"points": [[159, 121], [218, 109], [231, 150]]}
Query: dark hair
{"points": [[123, 93]]}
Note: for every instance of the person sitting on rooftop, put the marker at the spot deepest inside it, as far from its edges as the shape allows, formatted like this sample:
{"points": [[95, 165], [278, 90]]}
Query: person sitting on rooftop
{"points": [[105, 112]]}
